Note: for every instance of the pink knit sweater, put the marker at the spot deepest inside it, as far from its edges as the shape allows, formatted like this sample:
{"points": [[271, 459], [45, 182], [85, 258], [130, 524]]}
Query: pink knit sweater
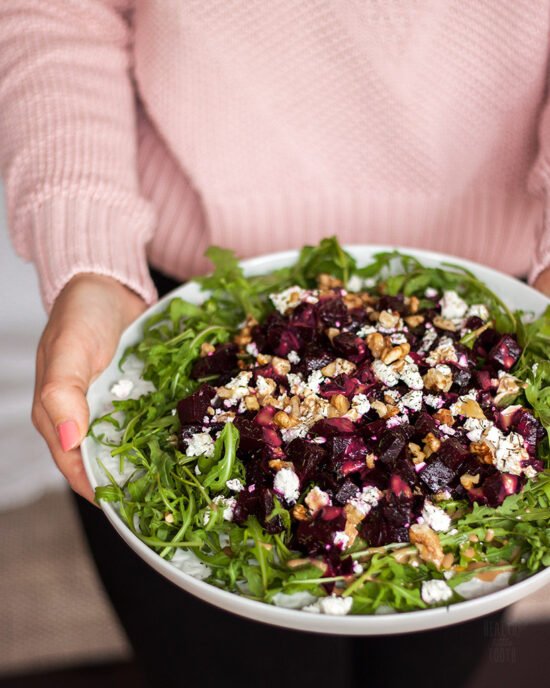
{"points": [[147, 130]]}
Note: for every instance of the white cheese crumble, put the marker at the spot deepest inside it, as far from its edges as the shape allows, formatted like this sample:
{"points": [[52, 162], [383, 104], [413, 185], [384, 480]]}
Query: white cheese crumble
{"points": [[289, 434], [427, 341], [447, 430], [398, 338], [293, 357], [226, 503], [444, 351], [337, 606], [430, 293], [200, 444], [412, 400], [287, 484], [366, 500], [361, 404], [316, 499], [436, 591], [433, 400], [355, 283], [509, 452], [122, 389], [291, 297], [410, 375], [478, 310], [341, 539], [263, 386], [252, 349], [235, 485], [366, 330], [475, 427], [452, 306], [435, 517], [394, 421], [384, 373]]}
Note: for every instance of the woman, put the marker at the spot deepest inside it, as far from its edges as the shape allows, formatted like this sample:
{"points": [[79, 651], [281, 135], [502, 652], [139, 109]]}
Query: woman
{"points": [[136, 133]]}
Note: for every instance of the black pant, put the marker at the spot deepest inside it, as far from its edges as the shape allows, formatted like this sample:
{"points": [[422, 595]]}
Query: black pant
{"points": [[181, 641]]}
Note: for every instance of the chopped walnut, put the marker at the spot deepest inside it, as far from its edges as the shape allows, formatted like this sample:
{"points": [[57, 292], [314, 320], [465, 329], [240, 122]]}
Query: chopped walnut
{"points": [[295, 406], [370, 460], [340, 403], [376, 344], [508, 385], [431, 444], [353, 515], [263, 359], [267, 387], [316, 499], [427, 543], [396, 353], [338, 367], [413, 304], [448, 560], [469, 408], [251, 403], [444, 323], [328, 281], [299, 513], [437, 380], [351, 531], [242, 339], [482, 451], [283, 420], [206, 349], [389, 319], [468, 481], [280, 365], [418, 455], [277, 464], [444, 416], [332, 332], [352, 301], [380, 408], [414, 320]]}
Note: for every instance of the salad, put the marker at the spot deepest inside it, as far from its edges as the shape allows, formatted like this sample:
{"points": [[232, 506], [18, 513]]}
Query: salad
{"points": [[336, 438]]}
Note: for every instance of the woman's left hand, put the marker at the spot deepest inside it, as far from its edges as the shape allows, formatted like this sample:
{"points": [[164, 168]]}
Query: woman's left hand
{"points": [[542, 282]]}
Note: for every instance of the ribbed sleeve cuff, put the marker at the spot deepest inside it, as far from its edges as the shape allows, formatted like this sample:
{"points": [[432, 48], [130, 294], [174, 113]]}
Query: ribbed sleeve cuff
{"points": [[76, 235]]}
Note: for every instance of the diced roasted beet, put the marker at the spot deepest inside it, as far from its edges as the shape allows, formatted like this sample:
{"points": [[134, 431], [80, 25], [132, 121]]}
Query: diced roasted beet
{"points": [[495, 488], [399, 487], [532, 431], [348, 490], [351, 466], [333, 426], [222, 360], [345, 447], [342, 384], [265, 416], [392, 303], [461, 379], [194, 408], [351, 347], [309, 459], [506, 352], [393, 442], [333, 312], [259, 503], [313, 536], [330, 513], [485, 342], [374, 430], [389, 522], [268, 371], [251, 434], [287, 341], [424, 424], [305, 316], [272, 437], [474, 323], [453, 453], [437, 475], [314, 357], [484, 379]]}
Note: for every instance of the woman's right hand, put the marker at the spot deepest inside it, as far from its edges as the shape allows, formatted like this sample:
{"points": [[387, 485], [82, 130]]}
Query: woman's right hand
{"points": [[78, 343]]}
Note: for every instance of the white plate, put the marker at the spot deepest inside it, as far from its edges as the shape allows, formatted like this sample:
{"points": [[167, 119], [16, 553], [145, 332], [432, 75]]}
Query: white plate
{"points": [[512, 291]]}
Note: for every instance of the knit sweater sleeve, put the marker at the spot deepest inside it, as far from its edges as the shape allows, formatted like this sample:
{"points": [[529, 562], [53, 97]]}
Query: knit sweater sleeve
{"points": [[68, 142]]}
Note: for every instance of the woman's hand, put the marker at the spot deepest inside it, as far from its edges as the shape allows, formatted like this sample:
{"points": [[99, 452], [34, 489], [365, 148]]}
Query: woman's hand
{"points": [[542, 282], [78, 343]]}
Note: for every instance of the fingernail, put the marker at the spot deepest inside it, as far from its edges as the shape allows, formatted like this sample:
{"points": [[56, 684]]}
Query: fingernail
{"points": [[68, 434]]}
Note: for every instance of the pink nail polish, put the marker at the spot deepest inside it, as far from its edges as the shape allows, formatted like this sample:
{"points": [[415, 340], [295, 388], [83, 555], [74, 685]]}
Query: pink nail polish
{"points": [[68, 434]]}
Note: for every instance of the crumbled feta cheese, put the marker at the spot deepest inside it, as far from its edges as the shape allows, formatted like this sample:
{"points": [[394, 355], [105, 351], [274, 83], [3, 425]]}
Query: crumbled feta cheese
{"points": [[335, 605], [200, 444], [443, 352], [122, 389], [295, 600], [292, 297], [287, 484], [313, 382], [398, 338], [430, 293], [435, 517], [341, 539], [361, 404], [478, 310], [366, 500], [396, 420], [452, 306], [293, 357], [428, 340], [366, 330], [240, 383], [433, 400], [475, 428], [412, 400], [385, 373], [228, 505], [410, 375], [263, 386], [436, 591], [252, 349], [235, 485], [290, 434], [357, 568]]}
